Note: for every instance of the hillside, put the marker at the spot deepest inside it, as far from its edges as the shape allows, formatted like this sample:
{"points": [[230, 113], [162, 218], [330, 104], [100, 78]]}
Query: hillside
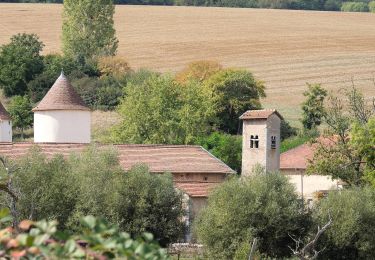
{"points": [[284, 48]]}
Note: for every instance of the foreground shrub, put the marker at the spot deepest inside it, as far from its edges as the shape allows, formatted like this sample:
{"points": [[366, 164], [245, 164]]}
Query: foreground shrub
{"points": [[94, 183], [354, 7], [45, 188], [264, 206], [150, 203], [96, 240], [352, 234]]}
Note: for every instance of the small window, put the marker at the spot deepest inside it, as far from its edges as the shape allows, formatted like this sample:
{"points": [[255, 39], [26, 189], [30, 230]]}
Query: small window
{"points": [[273, 142], [254, 141], [205, 178]]}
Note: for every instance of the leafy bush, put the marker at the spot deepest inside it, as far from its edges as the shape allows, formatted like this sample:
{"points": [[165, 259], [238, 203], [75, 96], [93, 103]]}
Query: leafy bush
{"points": [[263, 206], [227, 148], [97, 239], [93, 183], [149, 203], [352, 234], [354, 7]]}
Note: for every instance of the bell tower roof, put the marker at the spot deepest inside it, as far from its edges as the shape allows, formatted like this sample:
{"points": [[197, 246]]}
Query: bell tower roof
{"points": [[260, 114], [61, 96]]}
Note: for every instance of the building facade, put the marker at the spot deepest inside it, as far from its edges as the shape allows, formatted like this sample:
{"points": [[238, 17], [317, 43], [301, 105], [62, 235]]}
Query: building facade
{"points": [[260, 140]]}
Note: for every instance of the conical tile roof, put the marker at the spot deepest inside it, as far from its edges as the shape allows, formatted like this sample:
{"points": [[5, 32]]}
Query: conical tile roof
{"points": [[61, 96], [4, 115]]}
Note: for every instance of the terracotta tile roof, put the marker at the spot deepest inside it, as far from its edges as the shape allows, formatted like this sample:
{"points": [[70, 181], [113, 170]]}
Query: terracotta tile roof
{"points": [[259, 114], [197, 189], [297, 158], [61, 96], [4, 115], [159, 158]]}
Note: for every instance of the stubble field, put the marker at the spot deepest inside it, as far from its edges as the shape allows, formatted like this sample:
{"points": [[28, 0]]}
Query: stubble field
{"points": [[286, 49]]}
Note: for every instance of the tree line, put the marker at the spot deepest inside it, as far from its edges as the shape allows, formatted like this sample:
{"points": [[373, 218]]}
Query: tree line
{"points": [[323, 5]]}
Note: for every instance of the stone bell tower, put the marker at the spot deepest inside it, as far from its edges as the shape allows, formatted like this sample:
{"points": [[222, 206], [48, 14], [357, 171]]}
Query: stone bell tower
{"points": [[260, 140]]}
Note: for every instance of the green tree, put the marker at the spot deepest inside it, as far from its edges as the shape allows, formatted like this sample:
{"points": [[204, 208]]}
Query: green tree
{"points": [[156, 109], [313, 107], [264, 206], [351, 235], [53, 64], [226, 147], [45, 187], [344, 153], [150, 203], [20, 112], [20, 62], [97, 173], [363, 142], [234, 91], [88, 31], [286, 130]]}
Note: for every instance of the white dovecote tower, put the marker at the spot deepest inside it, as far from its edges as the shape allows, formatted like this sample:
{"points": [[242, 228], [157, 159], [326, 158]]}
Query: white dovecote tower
{"points": [[62, 116], [5, 125], [260, 140]]}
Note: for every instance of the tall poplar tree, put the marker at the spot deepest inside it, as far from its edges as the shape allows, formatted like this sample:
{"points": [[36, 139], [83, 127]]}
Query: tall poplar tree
{"points": [[88, 30]]}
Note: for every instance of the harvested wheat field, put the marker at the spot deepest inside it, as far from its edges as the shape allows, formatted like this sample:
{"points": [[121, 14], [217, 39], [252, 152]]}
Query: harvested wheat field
{"points": [[284, 48]]}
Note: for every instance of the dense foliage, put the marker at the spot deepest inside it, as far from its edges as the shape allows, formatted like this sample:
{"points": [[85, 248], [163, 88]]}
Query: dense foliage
{"points": [[346, 150], [313, 108], [97, 239], [226, 147], [88, 30], [157, 109], [263, 206], [234, 91], [93, 183], [20, 62], [20, 112], [352, 234]]}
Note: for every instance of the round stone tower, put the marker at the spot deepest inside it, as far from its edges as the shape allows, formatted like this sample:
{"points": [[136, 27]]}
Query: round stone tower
{"points": [[5, 125], [62, 116]]}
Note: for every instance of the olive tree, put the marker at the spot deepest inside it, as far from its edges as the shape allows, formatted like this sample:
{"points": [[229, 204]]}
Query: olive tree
{"points": [[264, 206]]}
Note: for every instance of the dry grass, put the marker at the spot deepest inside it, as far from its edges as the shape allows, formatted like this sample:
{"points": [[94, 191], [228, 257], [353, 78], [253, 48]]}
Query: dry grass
{"points": [[284, 48]]}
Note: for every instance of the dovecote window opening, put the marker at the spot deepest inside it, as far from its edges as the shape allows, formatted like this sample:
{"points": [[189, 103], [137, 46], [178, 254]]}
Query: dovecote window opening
{"points": [[254, 141], [273, 142]]}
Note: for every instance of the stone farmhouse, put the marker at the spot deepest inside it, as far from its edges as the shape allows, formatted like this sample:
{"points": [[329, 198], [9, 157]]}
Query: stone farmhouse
{"points": [[62, 125]]}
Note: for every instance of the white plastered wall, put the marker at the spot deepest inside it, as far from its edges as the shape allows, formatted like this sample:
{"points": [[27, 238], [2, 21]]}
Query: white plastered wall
{"points": [[5, 131], [310, 184], [62, 126], [253, 156]]}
